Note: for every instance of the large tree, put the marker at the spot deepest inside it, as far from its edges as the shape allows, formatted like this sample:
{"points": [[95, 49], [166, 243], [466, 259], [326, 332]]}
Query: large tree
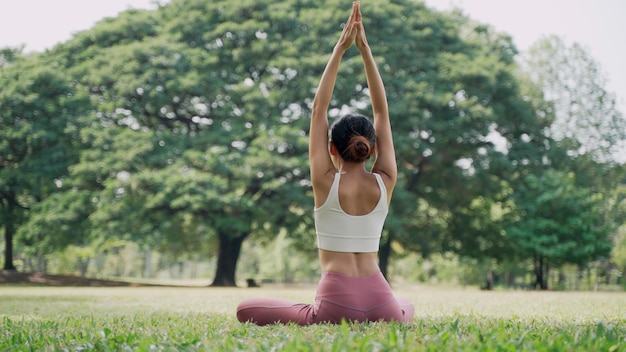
{"points": [[218, 105]]}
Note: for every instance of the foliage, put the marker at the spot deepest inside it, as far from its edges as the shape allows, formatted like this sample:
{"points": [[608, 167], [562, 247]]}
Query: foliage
{"points": [[586, 119], [557, 223], [186, 145], [619, 253], [9, 55], [37, 107], [575, 177], [464, 124]]}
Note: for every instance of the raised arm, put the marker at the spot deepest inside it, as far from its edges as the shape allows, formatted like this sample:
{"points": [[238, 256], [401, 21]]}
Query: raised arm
{"points": [[319, 157], [385, 163]]}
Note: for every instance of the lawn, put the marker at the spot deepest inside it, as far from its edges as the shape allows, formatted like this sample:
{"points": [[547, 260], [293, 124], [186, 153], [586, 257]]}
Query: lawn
{"points": [[200, 319]]}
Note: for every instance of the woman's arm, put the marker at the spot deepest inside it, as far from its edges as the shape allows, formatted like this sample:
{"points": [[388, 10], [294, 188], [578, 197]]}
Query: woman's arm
{"points": [[319, 157], [385, 163]]}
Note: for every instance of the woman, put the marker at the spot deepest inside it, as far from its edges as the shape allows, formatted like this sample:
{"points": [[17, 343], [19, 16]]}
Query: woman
{"points": [[351, 205]]}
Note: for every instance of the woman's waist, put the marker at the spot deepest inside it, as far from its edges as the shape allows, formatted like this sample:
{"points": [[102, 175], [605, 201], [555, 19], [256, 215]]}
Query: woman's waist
{"points": [[349, 264]]}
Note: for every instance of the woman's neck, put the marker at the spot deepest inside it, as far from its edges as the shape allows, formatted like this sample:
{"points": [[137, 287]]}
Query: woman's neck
{"points": [[347, 167]]}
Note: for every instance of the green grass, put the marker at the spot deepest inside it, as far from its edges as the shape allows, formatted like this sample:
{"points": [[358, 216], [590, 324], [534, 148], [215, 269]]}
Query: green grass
{"points": [[201, 319]]}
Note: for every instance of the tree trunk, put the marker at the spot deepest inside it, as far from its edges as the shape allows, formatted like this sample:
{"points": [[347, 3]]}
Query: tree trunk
{"points": [[148, 263], [229, 250], [541, 273], [42, 263], [83, 265], [489, 281], [384, 254], [9, 230], [580, 275]]}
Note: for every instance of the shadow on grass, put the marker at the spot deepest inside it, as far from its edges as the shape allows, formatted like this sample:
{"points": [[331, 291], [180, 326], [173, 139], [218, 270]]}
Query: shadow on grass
{"points": [[43, 279]]}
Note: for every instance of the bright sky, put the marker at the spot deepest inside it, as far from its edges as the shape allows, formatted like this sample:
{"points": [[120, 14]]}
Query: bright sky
{"points": [[596, 24]]}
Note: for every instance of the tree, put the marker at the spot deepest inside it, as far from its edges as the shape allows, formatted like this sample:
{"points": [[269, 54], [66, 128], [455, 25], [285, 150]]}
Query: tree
{"points": [[453, 90], [584, 129], [214, 101], [37, 133], [557, 222], [587, 119]]}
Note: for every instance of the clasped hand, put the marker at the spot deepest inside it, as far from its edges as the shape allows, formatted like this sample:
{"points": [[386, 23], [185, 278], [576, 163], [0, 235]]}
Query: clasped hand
{"points": [[353, 32]]}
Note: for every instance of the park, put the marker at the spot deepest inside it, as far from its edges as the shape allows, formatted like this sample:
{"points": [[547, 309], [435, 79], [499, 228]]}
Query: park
{"points": [[155, 172]]}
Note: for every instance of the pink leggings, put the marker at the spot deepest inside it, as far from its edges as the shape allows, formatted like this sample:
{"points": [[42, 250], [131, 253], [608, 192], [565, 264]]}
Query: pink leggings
{"points": [[338, 298]]}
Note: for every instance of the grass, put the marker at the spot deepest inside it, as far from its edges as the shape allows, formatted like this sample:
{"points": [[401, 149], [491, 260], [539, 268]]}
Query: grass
{"points": [[202, 319]]}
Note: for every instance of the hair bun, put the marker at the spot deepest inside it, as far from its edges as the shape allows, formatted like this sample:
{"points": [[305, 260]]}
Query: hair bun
{"points": [[359, 148]]}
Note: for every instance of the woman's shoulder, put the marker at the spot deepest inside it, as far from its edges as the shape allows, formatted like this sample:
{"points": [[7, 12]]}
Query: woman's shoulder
{"points": [[322, 186], [388, 181]]}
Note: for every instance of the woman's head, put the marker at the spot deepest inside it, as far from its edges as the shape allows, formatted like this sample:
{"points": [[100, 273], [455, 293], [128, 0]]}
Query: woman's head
{"points": [[354, 137]]}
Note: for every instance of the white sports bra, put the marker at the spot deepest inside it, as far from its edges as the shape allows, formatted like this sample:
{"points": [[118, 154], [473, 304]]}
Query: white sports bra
{"points": [[341, 232]]}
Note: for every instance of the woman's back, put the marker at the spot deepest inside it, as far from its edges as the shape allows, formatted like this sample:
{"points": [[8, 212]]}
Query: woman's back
{"points": [[359, 194]]}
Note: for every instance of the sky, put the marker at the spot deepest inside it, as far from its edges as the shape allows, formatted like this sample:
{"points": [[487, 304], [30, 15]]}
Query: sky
{"points": [[595, 24], [598, 25]]}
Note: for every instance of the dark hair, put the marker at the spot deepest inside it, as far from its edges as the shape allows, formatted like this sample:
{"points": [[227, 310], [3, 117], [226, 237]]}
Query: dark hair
{"points": [[354, 137]]}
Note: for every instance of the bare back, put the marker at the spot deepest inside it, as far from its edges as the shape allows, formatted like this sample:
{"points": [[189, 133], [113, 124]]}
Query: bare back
{"points": [[358, 195]]}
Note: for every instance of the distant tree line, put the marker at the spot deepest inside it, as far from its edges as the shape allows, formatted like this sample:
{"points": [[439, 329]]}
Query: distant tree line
{"points": [[184, 129]]}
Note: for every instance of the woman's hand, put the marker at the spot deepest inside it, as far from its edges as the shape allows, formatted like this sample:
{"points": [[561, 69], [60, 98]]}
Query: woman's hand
{"points": [[350, 30], [360, 39]]}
